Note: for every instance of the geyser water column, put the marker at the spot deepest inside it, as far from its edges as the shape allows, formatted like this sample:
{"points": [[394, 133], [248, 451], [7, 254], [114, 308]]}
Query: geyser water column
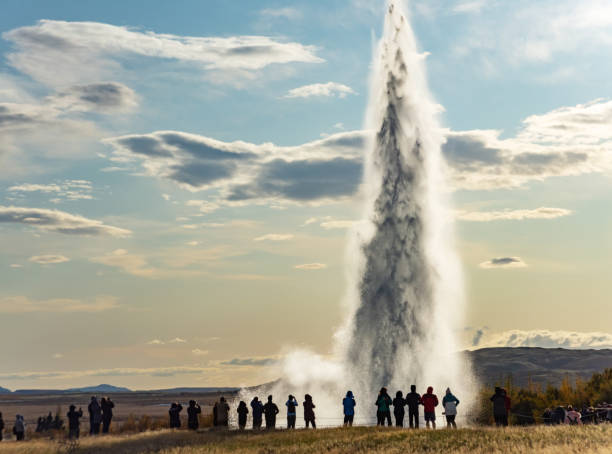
{"points": [[407, 298]]}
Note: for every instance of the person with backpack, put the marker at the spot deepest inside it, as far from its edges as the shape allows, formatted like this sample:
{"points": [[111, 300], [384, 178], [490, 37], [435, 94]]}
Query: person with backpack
{"points": [[573, 418], [348, 407], [500, 414], [95, 416], [258, 410], [398, 409], [242, 411], [430, 402], [222, 413], [291, 404], [383, 410], [309, 415], [450, 402], [19, 428], [270, 411], [106, 405], [175, 415], [74, 425], [413, 400], [193, 412]]}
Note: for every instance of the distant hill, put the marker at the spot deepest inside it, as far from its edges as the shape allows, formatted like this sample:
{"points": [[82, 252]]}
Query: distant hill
{"points": [[99, 389], [4, 390], [194, 390], [542, 365]]}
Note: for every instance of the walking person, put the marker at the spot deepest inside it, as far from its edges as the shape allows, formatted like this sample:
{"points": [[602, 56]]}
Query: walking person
{"points": [[95, 416], [19, 428], [175, 415], [383, 410], [348, 406], [398, 409], [413, 400], [74, 425], [258, 410], [193, 412], [309, 414], [500, 413], [270, 411], [106, 405], [291, 404], [430, 402], [243, 411], [222, 413], [1, 426], [450, 402]]}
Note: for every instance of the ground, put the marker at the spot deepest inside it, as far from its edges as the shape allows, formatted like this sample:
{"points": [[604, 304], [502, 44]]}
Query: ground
{"points": [[584, 439]]}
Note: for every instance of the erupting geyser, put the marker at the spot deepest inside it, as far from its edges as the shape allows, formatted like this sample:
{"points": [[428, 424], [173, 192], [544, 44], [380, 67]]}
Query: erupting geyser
{"points": [[405, 293]]}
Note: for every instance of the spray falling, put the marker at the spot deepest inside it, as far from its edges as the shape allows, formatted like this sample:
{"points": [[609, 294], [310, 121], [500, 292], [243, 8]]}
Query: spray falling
{"points": [[405, 295]]}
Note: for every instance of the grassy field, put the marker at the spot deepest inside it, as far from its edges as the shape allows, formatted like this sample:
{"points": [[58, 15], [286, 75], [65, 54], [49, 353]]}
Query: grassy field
{"points": [[587, 439]]}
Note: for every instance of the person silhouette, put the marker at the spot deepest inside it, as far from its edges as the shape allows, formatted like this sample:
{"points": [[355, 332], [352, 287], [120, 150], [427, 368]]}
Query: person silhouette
{"points": [[270, 411], [383, 410], [95, 416], [398, 409], [309, 415], [450, 402], [106, 405], [413, 400], [175, 415], [222, 413], [291, 404], [1, 426], [19, 428], [258, 410], [74, 424], [430, 402], [193, 410], [348, 407], [242, 411]]}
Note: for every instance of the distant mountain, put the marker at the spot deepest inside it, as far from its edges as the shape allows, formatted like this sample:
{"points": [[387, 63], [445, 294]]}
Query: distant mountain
{"points": [[99, 389], [194, 390], [541, 365], [4, 390]]}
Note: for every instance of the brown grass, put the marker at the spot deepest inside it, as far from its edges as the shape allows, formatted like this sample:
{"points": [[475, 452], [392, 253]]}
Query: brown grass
{"points": [[547, 440]]}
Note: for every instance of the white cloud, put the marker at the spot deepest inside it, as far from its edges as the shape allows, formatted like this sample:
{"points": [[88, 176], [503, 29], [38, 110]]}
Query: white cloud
{"points": [[116, 372], [156, 342], [177, 340], [337, 224], [68, 189], [134, 264], [166, 197], [57, 356], [48, 259], [328, 89], [203, 205], [23, 304], [59, 221], [470, 6], [35, 188], [274, 237], [513, 215], [60, 52], [198, 352], [503, 262], [16, 265], [192, 243], [547, 339], [282, 13], [310, 266]]}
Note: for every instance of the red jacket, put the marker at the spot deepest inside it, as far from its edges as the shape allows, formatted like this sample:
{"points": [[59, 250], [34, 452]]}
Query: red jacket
{"points": [[430, 401]]}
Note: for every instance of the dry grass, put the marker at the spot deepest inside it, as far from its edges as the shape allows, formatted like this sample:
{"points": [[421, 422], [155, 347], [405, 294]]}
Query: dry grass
{"points": [[587, 439]]}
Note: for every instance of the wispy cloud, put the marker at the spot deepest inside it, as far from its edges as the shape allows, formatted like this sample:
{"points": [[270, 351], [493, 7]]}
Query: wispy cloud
{"points": [[48, 259], [503, 262], [199, 352], [282, 13], [257, 361], [513, 215], [274, 237], [327, 90], [116, 372], [546, 339], [68, 189], [23, 304], [310, 266]]}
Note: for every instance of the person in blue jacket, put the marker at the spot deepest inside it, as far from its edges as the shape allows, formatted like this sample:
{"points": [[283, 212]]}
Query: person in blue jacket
{"points": [[349, 408], [291, 404]]}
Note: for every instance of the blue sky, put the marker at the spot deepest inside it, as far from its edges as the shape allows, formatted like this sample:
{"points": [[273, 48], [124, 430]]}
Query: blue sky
{"points": [[177, 179]]}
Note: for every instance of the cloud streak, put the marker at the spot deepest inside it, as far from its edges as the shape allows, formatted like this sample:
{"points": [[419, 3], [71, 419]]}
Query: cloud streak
{"points": [[48, 259], [326, 90], [310, 266], [503, 263], [513, 215], [23, 304], [546, 339]]}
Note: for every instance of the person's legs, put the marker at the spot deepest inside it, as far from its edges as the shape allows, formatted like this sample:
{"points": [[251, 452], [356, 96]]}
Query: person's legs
{"points": [[312, 421], [379, 418], [388, 417], [399, 419]]}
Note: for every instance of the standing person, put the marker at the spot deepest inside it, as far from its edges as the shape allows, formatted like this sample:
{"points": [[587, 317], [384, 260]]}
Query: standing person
{"points": [[398, 409], [291, 404], [430, 402], [348, 405], [1, 426], [258, 410], [309, 415], [74, 424], [222, 413], [95, 416], [243, 411], [573, 417], [270, 411], [508, 404], [193, 410], [383, 410], [106, 405], [19, 428], [500, 413], [559, 415], [450, 402], [175, 415], [413, 400]]}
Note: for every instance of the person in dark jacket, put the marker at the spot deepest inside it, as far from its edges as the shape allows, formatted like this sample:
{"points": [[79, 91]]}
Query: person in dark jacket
{"points": [[19, 428], [413, 400], [74, 424], [270, 411], [398, 409], [430, 402], [500, 413], [1, 426], [559, 415], [348, 407], [291, 404], [258, 409], [309, 414], [242, 411], [383, 408], [222, 413], [95, 416], [106, 405], [193, 410], [175, 415]]}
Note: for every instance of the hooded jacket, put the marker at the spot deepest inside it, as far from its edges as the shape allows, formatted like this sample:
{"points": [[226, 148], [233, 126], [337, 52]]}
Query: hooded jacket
{"points": [[429, 401], [383, 402], [258, 409], [450, 402], [499, 403], [349, 404]]}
